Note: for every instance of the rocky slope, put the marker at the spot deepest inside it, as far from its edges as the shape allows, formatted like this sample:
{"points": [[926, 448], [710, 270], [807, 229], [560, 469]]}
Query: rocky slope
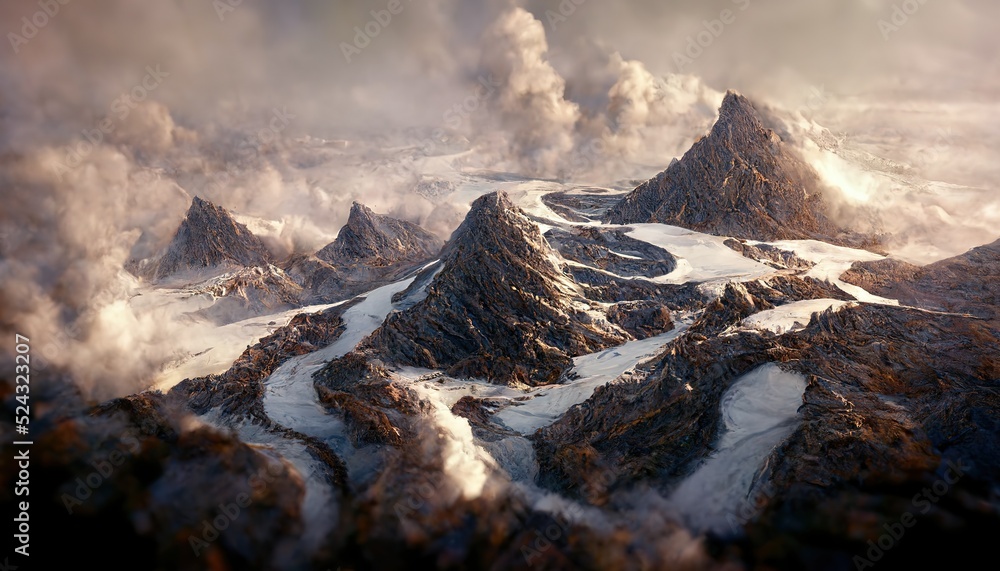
{"points": [[248, 292], [498, 309], [371, 250], [891, 399], [611, 251], [969, 283], [154, 478], [371, 240], [209, 238], [738, 181]]}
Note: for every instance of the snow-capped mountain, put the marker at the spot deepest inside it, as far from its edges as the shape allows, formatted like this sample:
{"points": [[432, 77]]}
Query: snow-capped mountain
{"points": [[370, 250]]}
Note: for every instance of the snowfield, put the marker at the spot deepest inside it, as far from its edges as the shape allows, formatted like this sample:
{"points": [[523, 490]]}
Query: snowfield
{"points": [[790, 316], [701, 257], [759, 411]]}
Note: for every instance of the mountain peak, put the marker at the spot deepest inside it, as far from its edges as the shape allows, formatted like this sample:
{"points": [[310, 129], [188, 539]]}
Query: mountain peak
{"points": [[739, 181], [209, 237], [378, 240], [359, 211], [737, 115], [497, 258]]}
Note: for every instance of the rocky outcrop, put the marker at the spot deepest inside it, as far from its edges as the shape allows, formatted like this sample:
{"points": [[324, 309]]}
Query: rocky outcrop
{"points": [[239, 392], [898, 451], [641, 319], [249, 292], [371, 240], [498, 309], [370, 251], [581, 205], [155, 479], [209, 238], [892, 401], [611, 251], [740, 181], [968, 283], [770, 255], [375, 410]]}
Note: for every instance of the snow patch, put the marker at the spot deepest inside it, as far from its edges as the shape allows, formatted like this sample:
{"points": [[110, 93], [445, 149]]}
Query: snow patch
{"points": [[790, 316], [760, 410], [700, 257]]}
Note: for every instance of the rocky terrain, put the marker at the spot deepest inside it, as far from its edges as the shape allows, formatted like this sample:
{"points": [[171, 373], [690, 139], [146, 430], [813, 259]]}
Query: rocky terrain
{"points": [[496, 259], [248, 292], [770, 255], [611, 251], [738, 181], [969, 283], [208, 238], [555, 394], [173, 492], [371, 250]]}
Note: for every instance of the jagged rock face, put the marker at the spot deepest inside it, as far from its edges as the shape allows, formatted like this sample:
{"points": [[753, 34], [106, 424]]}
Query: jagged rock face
{"points": [[499, 308], [239, 392], [581, 206], [375, 410], [376, 241], [891, 398], [208, 238], [251, 291], [612, 251], [969, 283], [738, 181], [899, 424], [770, 255], [372, 250], [641, 319]]}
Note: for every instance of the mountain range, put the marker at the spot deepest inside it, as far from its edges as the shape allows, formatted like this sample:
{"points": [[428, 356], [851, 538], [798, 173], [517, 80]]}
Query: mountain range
{"points": [[700, 374]]}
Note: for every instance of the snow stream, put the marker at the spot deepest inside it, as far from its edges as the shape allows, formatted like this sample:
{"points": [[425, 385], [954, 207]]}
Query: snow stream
{"points": [[290, 399], [759, 411]]}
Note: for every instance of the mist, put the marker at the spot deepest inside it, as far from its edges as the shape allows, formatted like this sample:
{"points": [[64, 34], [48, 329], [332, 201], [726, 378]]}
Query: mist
{"points": [[117, 113]]}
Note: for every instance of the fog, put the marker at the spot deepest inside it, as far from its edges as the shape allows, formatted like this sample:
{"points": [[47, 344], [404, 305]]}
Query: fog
{"points": [[116, 113]]}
